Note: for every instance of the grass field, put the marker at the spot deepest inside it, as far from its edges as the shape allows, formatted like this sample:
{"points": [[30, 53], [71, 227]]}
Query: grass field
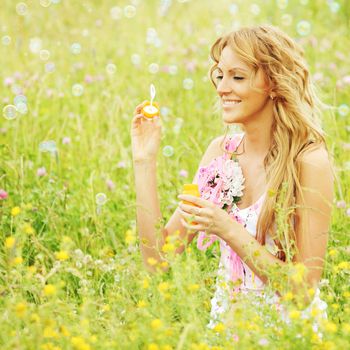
{"points": [[72, 72]]}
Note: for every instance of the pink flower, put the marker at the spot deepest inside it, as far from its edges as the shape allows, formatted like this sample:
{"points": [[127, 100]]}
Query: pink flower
{"points": [[341, 204], [3, 194], [66, 140], [121, 164], [8, 81], [41, 172], [110, 185], [183, 173], [89, 78]]}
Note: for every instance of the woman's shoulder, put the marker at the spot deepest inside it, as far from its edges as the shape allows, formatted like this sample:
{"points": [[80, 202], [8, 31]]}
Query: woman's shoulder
{"points": [[314, 155]]}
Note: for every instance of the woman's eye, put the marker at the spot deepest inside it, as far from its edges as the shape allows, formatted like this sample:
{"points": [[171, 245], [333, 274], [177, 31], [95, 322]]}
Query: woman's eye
{"points": [[219, 77], [238, 78]]}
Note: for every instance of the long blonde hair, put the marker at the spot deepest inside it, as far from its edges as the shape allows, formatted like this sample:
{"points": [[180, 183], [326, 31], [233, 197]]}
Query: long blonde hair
{"points": [[296, 127]]}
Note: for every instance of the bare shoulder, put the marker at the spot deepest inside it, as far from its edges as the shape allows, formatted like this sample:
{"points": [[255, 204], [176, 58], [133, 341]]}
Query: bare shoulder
{"points": [[315, 157]]}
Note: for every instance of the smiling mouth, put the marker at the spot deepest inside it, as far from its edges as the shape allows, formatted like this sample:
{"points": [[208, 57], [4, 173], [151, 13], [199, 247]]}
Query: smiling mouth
{"points": [[231, 103]]}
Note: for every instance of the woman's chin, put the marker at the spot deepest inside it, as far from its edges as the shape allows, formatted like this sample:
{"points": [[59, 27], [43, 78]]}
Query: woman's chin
{"points": [[231, 118]]}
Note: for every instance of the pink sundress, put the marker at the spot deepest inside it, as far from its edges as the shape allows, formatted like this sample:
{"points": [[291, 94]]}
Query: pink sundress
{"points": [[231, 267]]}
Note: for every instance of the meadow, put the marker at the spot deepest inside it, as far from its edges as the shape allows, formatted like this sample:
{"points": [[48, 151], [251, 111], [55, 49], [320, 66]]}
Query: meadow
{"points": [[72, 72]]}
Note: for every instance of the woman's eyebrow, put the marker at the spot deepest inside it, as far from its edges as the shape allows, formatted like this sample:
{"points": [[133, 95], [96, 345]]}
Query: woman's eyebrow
{"points": [[233, 69]]}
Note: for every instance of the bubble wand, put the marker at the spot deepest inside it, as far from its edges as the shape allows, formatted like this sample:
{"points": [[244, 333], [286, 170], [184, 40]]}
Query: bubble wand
{"points": [[151, 109]]}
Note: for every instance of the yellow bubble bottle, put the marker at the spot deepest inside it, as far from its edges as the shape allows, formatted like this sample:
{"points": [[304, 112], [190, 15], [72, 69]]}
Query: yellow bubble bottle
{"points": [[193, 190], [150, 111]]}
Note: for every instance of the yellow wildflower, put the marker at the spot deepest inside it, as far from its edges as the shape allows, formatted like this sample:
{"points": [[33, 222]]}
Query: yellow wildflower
{"points": [[35, 317], [153, 346], [15, 211], [64, 331], [141, 304], [333, 252], [49, 333], [344, 265], [219, 327], [152, 261], [49, 290], [17, 260], [21, 309], [28, 229], [346, 328], [31, 269], [163, 286], [79, 343], [331, 327], [346, 294], [193, 287], [164, 264], [50, 346], [93, 339], [130, 237], [10, 242], [156, 324], [168, 247], [166, 347], [62, 255], [298, 274], [288, 296], [145, 283], [294, 314]]}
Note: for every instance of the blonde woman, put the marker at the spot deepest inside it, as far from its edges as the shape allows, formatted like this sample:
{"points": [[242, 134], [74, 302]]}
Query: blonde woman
{"points": [[264, 86]]}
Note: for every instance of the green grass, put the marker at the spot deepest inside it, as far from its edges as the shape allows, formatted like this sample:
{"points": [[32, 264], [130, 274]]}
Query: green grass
{"points": [[102, 297]]}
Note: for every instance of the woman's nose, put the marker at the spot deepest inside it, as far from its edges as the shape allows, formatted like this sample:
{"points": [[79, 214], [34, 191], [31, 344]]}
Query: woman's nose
{"points": [[223, 86]]}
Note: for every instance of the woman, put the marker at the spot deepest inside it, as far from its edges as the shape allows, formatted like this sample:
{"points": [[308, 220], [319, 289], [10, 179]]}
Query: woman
{"points": [[264, 86]]}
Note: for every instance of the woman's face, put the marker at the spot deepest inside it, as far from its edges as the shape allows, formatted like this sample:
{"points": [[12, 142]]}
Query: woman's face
{"points": [[240, 102]]}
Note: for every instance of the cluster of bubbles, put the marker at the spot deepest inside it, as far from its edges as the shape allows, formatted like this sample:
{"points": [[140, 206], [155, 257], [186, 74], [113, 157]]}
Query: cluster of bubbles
{"points": [[152, 38], [48, 146], [188, 84], [303, 28], [77, 90], [168, 151], [116, 12]]}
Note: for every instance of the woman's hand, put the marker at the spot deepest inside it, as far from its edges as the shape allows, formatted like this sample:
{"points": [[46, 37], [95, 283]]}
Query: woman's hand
{"points": [[209, 217], [145, 135]]}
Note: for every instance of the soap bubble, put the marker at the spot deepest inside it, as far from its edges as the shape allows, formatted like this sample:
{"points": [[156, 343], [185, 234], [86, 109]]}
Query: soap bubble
{"points": [[334, 6], [343, 110], [22, 108], [111, 68], [153, 68], [77, 90], [188, 84], [135, 59], [164, 111], [21, 8], [44, 55], [75, 48], [129, 11], [6, 40], [50, 67], [48, 146], [286, 19], [9, 112], [282, 4], [233, 9], [45, 3], [173, 69], [100, 198], [168, 151], [115, 12], [35, 45], [255, 9], [303, 28], [20, 99]]}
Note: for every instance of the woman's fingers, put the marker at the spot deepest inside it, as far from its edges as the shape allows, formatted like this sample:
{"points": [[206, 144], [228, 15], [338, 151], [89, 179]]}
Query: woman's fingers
{"points": [[139, 107]]}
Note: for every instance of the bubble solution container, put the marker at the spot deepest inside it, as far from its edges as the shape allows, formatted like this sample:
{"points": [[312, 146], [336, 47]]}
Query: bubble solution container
{"points": [[150, 111], [193, 190]]}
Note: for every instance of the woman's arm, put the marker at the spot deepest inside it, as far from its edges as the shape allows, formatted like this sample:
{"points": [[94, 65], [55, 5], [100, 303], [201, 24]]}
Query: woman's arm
{"points": [[316, 180]]}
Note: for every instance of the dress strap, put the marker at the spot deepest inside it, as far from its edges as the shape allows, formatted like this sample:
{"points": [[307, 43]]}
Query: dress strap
{"points": [[233, 142]]}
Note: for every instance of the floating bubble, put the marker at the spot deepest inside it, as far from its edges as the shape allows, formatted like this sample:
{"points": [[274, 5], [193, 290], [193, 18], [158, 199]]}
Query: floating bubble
{"points": [[153, 68], [168, 151], [77, 90], [20, 99], [129, 11], [188, 84], [44, 55], [9, 112], [48, 146], [135, 59], [111, 68], [6, 40], [45, 3], [21, 8], [22, 108], [75, 48], [233, 9], [100, 198], [50, 67], [282, 4], [303, 28], [35, 45], [255, 9], [164, 111], [286, 19], [173, 69], [343, 110], [334, 6], [116, 13]]}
